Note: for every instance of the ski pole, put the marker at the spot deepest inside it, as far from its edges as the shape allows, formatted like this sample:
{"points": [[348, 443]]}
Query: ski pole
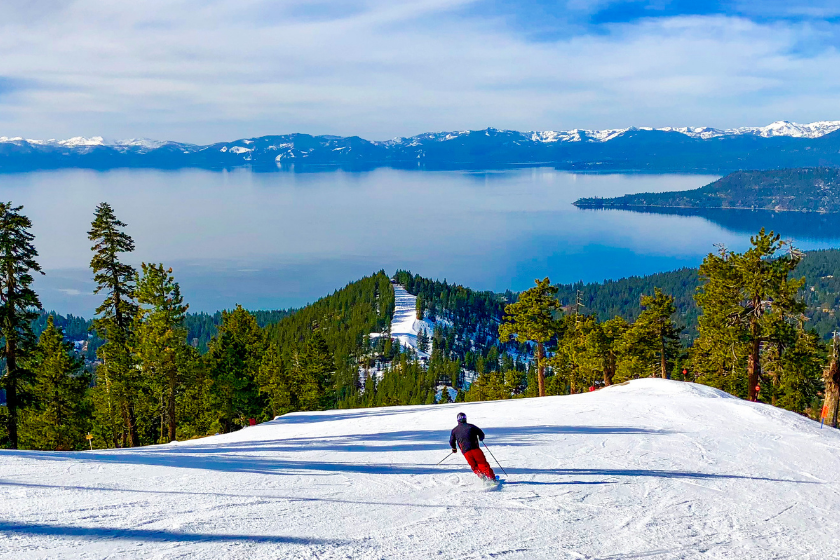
{"points": [[444, 459], [494, 458]]}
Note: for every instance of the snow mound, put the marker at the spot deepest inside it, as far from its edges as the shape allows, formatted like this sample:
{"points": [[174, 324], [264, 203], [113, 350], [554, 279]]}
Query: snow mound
{"points": [[647, 469]]}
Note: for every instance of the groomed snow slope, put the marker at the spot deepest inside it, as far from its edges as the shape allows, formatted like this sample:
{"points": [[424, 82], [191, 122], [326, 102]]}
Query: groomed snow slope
{"points": [[651, 469], [404, 325]]}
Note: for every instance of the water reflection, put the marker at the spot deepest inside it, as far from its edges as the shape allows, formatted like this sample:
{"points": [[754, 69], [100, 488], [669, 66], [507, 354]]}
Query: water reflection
{"points": [[274, 240], [797, 225]]}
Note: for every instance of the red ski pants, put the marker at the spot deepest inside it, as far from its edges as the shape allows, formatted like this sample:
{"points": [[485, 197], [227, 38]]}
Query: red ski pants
{"points": [[478, 463]]}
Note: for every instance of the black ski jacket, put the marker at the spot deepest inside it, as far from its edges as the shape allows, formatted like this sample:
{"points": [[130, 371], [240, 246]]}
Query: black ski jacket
{"points": [[467, 437]]}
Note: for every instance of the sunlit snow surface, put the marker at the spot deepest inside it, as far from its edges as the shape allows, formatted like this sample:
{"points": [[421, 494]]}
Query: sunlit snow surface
{"points": [[652, 469]]}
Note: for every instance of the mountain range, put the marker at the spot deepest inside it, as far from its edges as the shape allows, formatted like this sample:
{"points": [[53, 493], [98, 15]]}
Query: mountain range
{"points": [[781, 144]]}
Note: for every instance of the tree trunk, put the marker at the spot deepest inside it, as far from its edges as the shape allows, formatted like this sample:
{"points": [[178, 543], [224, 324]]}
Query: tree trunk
{"points": [[131, 425], [11, 407], [663, 360], [171, 407], [832, 392], [540, 369], [609, 372], [11, 363], [753, 363]]}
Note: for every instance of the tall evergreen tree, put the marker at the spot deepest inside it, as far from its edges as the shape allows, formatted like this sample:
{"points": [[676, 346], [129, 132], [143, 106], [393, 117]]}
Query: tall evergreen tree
{"points": [[603, 343], [314, 370], [831, 381], [59, 416], [117, 377], [273, 380], [656, 329], [532, 318], [19, 305], [160, 338], [742, 296], [233, 362]]}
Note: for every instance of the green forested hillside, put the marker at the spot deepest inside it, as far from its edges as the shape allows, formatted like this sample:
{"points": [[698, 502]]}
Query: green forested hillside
{"points": [[622, 297], [201, 327], [815, 189], [344, 321], [821, 293]]}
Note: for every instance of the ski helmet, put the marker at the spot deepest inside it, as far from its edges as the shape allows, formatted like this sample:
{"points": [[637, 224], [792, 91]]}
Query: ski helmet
{"points": [[462, 417]]}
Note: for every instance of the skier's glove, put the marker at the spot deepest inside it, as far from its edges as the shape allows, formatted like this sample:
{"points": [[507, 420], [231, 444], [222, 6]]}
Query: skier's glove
{"points": [[454, 451]]}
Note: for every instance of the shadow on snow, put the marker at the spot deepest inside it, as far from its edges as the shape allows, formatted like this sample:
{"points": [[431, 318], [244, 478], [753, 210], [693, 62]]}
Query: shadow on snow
{"points": [[247, 456], [151, 535]]}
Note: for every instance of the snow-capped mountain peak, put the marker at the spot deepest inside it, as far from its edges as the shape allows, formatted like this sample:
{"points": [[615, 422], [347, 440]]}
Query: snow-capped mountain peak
{"points": [[779, 128], [80, 141]]}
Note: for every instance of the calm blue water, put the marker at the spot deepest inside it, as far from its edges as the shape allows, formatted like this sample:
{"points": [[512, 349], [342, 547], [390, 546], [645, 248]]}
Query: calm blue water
{"points": [[275, 240]]}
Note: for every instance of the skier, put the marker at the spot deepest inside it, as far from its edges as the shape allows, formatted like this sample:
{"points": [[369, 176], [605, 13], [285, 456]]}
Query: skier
{"points": [[468, 436]]}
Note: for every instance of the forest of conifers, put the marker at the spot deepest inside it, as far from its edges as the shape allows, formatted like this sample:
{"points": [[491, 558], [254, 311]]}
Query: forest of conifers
{"points": [[146, 371]]}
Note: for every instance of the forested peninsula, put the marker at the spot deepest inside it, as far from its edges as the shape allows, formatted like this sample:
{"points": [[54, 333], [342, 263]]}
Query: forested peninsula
{"points": [[813, 189]]}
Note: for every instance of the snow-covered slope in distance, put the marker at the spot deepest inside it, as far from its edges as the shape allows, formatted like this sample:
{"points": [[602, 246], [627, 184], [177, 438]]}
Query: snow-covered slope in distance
{"points": [[651, 469], [778, 128], [404, 325]]}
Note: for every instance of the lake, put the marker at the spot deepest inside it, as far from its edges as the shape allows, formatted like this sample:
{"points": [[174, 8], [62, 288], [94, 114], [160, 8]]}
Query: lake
{"points": [[275, 240]]}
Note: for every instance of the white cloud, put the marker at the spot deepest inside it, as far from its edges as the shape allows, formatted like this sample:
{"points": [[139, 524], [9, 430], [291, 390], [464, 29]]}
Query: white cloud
{"points": [[70, 291], [198, 71]]}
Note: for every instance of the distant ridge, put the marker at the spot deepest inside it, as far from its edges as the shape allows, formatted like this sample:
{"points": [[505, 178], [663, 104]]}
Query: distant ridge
{"points": [[780, 144]]}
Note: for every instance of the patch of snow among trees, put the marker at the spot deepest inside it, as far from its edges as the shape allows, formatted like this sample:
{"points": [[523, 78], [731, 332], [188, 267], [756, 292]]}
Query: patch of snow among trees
{"points": [[405, 326]]}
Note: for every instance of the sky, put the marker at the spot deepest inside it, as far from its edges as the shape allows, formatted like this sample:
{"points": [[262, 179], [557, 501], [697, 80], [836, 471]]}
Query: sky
{"points": [[213, 70]]}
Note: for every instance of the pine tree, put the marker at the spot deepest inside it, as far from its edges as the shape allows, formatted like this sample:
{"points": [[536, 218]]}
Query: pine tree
{"points": [[655, 331], [532, 318], [315, 374], [18, 309], [116, 377], [59, 417], [800, 380], [161, 340], [274, 383], [422, 341], [831, 381], [233, 364], [742, 296], [602, 345]]}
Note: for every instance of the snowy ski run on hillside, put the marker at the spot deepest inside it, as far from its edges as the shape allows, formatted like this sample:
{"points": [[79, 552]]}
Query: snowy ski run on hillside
{"points": [[404, 325], [650, 469]]}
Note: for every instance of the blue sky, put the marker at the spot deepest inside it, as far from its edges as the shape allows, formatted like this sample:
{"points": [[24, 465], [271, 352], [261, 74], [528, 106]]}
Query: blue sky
{"points": [[203, 71]]}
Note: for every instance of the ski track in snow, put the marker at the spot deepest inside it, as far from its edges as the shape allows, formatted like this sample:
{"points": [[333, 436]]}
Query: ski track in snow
{"points": [[650, 469]]}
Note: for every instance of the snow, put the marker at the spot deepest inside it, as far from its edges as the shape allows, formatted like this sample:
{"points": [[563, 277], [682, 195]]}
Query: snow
{"points": [[404, 325], [146, 143], [650, 469], [80, 141], [779, 128]]}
